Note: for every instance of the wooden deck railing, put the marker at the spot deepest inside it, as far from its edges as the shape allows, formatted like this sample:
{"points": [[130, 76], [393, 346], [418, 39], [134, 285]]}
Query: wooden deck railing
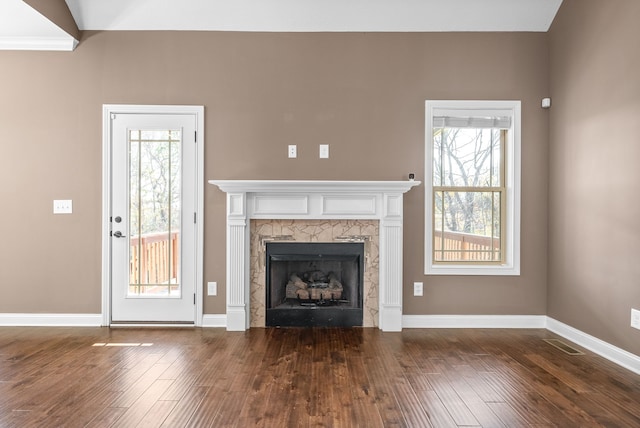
{"points": [[465, 246], [154, 258]]}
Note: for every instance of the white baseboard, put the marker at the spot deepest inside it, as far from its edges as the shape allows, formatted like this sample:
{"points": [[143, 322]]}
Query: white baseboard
{"points": [[50, 320], [612, 353], [214, 320], [474, 321], [83, 320], [606, 350]]}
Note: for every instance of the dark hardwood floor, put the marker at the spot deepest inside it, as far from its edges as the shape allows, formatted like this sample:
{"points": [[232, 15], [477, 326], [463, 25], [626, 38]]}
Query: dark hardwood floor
{"points": [[75, 377]]}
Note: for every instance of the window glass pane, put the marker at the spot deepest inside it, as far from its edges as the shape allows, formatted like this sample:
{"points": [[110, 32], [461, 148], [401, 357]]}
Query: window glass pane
{"points": [[466, 157], [467, 226], [154, 215], [497, 141]]}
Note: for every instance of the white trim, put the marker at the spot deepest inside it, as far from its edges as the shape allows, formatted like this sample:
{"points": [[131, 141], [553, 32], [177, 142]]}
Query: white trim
{"points": [[513, 185], [107, 111], [146, 325], [349, 204], [214, 320], [474, 321], [606, 350], [106, 213], [50, 320], [66, 44], [277, 205], [200, 183]]}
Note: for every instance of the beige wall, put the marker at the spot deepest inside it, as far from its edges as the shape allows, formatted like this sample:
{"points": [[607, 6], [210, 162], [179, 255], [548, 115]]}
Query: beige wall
{"points": [[594, 228], [361, 93]]}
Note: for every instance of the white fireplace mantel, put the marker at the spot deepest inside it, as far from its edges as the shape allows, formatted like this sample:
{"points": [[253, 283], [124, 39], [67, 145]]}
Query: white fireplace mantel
{"points": [[310, 199]]}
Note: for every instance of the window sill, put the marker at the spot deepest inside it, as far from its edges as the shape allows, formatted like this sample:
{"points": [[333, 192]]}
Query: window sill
{"points": [[501, 270]]}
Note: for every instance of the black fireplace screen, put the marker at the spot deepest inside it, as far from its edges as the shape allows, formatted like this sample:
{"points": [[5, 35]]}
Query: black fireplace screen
{"points": [[314, 283]]}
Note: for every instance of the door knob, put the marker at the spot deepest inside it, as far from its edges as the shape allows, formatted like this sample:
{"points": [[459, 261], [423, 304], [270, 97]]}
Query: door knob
{"points": [[118, 234]]}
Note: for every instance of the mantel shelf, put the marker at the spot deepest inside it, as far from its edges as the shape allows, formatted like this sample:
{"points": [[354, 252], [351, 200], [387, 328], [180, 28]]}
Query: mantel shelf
{"points": [[297, 186]]}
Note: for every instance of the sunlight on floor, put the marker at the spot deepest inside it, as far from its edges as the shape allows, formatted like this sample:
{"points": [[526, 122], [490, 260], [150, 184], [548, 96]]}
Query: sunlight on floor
{"points": [[122, 344]]}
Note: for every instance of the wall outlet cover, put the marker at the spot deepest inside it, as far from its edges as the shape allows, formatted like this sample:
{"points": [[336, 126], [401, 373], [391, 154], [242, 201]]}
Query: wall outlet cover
{"points": [[324, 151], [62, 206]]}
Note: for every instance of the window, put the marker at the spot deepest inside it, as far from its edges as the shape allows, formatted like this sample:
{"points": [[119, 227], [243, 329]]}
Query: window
{"points": [[472, 182]]}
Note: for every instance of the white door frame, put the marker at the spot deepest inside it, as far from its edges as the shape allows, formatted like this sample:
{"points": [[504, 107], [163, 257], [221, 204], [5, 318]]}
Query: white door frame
{"points": [[107, 111]]}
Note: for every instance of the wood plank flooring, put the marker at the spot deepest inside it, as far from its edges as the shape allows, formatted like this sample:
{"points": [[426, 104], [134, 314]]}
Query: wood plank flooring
{"points": [[303, 377]]}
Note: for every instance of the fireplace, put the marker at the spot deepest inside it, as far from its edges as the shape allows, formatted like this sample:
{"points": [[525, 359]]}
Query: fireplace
{"points": [[309, 200], [312, 284]]}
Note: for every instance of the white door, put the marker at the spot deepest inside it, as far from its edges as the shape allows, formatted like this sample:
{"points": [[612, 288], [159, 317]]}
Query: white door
{"points": [[152, 219]]}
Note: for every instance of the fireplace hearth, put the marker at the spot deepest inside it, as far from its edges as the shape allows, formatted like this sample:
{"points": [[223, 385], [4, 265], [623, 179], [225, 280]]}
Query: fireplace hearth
{"points": [[314, 284]]}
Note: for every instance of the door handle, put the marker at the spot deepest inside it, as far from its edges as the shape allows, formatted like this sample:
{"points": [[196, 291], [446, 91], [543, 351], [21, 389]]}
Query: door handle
{"points": [[119, 234]]}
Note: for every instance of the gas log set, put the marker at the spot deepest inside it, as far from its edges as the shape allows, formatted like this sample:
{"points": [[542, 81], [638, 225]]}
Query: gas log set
{"points": [[314, 287]]}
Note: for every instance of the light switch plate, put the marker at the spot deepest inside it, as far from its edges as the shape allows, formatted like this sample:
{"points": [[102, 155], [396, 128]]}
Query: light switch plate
{"points": [[418, 288], [635, 318], [212, 288], [62, 206]]}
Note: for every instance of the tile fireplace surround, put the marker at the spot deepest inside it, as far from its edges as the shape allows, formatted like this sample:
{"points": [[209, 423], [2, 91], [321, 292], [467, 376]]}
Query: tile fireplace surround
{"points": [[331, 201], [365, 231]]}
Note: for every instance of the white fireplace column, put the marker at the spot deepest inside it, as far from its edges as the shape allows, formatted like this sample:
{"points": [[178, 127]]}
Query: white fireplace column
{"points": [[237, 262], [313, 200]]}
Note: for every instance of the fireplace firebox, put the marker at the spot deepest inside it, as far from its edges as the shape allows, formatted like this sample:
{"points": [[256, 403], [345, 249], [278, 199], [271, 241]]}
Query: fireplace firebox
{"points": [[312, 284]]}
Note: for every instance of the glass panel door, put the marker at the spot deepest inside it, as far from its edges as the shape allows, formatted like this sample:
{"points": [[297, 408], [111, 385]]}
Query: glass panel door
{"points": [[153, 202]]}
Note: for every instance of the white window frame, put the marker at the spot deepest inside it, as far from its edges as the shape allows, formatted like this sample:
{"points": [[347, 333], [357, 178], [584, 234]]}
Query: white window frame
{"points": [[511, 265]]}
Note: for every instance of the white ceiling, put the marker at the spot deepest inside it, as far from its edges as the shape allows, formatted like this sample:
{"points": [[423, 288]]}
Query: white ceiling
{"points": [[19, 21]]}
